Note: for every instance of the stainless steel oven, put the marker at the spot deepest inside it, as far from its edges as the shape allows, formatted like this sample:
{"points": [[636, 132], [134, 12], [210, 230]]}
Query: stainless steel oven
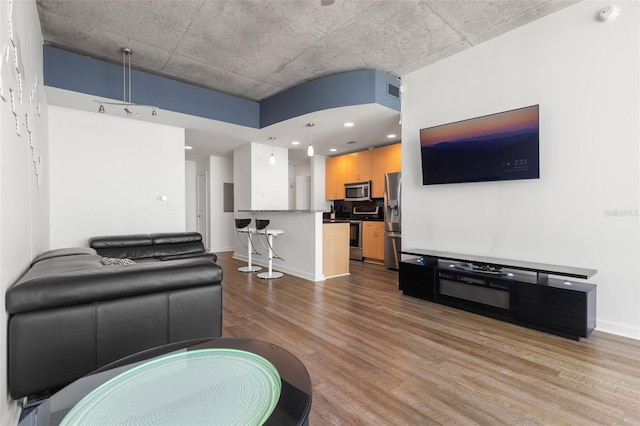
{"points": [[355, 239]]}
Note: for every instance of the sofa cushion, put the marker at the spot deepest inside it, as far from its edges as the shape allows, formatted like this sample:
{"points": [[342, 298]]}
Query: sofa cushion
{"points": [[169, 245], [206, 254], [110, 241], [163, 250], [176, 237], [136, 246], [71, 280]]}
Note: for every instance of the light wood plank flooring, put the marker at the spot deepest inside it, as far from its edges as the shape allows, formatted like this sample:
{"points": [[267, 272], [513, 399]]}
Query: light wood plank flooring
{"points": [[377, 357]]}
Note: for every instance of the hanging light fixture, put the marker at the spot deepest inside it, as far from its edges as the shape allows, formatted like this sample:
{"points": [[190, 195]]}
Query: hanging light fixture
{"points": [[272, 159], [127, 101], [310, 148]]}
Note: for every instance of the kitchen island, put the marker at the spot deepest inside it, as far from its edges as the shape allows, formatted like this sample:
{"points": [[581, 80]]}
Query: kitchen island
{"points": [[301, 244]]}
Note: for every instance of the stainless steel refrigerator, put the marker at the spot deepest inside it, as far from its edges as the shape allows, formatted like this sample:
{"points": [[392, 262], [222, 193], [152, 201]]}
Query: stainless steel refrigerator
{"points": [[392, 219]]}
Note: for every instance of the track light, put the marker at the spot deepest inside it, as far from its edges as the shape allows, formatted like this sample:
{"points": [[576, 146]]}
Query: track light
{"points": [[127, 101]]}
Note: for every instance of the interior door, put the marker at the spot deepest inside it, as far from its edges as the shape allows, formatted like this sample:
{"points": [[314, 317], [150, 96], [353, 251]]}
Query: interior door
{"points": [[203, 208]]}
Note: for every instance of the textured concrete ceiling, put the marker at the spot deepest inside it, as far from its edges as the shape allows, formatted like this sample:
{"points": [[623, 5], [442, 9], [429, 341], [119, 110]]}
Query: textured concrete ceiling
{"points": [[255, 49]]}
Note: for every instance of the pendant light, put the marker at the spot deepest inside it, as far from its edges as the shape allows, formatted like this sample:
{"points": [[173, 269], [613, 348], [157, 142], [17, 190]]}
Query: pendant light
{"points": [[127, 102], [272, 159], [310, 148]]}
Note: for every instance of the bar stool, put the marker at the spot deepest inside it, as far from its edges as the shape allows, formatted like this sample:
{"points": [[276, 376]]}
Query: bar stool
{"points": [[242, 226], [261, 229]]}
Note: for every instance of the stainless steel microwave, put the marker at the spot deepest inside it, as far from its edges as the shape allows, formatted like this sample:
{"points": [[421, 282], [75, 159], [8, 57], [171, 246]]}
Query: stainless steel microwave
{"points": [[360, 191]]}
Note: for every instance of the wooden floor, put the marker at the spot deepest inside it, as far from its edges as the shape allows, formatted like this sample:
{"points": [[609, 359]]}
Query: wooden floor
{"points": [[377, 357]]}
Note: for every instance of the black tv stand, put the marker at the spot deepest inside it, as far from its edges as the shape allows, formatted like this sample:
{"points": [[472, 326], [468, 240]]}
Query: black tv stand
{"points": [[510, 290]]}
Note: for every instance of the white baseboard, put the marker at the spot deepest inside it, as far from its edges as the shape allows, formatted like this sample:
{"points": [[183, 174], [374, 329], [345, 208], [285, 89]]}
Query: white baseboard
{"points": [[618, 329], [281, 268]]}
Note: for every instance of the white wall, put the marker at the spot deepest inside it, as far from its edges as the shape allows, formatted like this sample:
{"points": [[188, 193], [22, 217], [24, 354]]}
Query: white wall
{"points": [[242, 177], [318, 172], [269, 182], [259, 185], [24, 164], [107, 174], [585, 76], [190, 197], [222, 225], [300, 186]]}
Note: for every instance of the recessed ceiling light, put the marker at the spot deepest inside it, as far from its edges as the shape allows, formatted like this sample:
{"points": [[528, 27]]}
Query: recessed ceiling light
{"points": [[188, 147], [348, 124], [391, 136], [333, 149], [295, 143]]}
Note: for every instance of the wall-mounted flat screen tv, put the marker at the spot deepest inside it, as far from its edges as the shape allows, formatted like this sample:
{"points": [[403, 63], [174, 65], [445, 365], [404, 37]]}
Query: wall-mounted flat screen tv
{"points": [[502, 146]]}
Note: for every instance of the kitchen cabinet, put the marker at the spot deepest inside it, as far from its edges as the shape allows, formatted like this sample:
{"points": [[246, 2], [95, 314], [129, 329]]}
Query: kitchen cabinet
{"points": [[358, 166], [387, 159], [335, 177], [373, 240], [335, 249], [371, 164]]}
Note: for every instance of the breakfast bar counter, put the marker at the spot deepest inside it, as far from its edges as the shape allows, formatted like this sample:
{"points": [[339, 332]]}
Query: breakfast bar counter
{"points": [[300, 246]]}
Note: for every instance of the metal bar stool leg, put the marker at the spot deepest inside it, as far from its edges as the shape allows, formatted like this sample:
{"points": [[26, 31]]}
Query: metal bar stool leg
{"points": [[261, 229], [271, 274], [242, 226]]}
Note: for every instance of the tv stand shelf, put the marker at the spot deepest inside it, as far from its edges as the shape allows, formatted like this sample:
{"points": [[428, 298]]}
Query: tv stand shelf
{"points": [[510, 290]]}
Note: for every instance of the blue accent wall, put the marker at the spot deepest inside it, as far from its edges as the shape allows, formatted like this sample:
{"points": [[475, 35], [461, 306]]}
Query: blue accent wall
{"points": [[70, 71], [383, 97], [334, 91]]}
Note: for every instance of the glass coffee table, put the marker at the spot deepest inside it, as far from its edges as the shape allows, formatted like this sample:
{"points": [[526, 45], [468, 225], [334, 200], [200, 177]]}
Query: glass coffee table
{"points": [[223, 381]]}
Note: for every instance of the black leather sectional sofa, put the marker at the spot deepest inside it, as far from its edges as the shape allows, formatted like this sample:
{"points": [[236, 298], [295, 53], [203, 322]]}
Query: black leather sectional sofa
{"points": [[70, 314]]}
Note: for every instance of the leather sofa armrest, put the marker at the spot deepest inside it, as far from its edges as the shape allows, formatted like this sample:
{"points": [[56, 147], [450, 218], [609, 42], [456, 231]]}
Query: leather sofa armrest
{"points": [[72, 251]]}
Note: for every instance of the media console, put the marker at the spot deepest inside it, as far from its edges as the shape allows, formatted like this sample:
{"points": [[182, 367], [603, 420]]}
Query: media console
{"points": [[515, 291]]}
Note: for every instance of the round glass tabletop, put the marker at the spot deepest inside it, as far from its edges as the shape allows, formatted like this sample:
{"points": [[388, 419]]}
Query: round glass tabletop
{"points": [[206, 386]]}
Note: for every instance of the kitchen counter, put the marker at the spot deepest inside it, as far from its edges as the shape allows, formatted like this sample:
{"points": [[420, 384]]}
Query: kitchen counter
{"points": [[300, 245], [349, 220], [280, 211]]}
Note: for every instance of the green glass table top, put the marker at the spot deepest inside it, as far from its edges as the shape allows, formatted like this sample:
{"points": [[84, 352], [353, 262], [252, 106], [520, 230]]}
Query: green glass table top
{"points": [[207, 386]]}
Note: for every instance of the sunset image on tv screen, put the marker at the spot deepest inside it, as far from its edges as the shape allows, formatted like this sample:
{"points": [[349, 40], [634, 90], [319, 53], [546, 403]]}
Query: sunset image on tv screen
{"points": [[503, 146]]}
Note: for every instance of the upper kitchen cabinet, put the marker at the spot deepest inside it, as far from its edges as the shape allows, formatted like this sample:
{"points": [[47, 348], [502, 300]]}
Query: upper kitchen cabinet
{"points": [[358, 166], [387, 159], [335, 168], [361, 166]]}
